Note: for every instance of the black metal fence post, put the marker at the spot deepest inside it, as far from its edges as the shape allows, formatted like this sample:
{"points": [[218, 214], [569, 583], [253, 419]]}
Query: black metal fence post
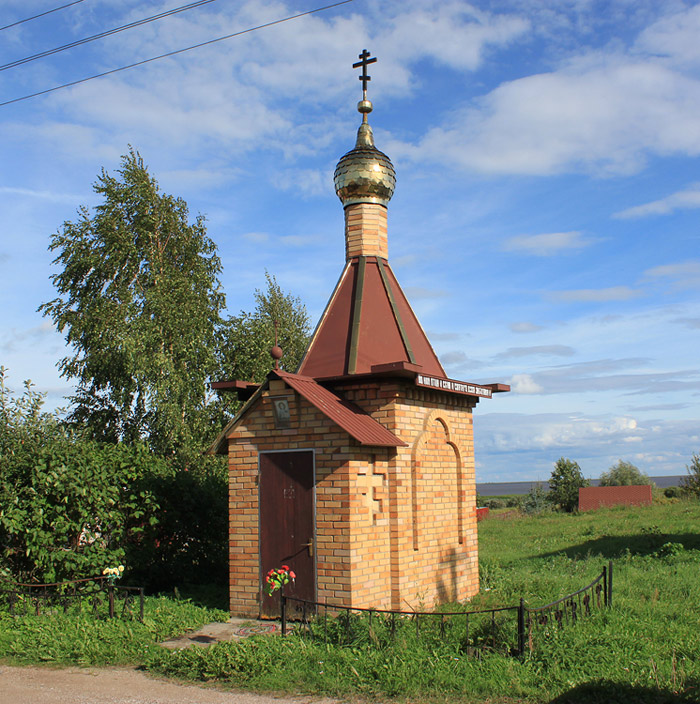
{"points": [[605, 585], [521, 627], [110, 594], [283, 613], [610, 583]]}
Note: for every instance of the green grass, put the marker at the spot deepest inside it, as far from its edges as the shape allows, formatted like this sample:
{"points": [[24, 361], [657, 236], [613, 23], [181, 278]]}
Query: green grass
{"points": [[645, 649], [84, 640]]}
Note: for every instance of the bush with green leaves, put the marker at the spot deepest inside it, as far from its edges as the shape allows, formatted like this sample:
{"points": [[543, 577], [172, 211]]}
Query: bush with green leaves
{"points": [[623, 474], [690, 485], [189, 543], [564, 484], [536, 501], [67, 503]]}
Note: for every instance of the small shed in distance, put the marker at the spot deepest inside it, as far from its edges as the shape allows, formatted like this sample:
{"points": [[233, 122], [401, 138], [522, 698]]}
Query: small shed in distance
{"points": [[357, 471]]}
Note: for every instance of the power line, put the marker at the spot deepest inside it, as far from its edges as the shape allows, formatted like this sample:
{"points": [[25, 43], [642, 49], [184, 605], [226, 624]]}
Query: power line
{"points": [[173, 53], [106, 33], [41, 14]]}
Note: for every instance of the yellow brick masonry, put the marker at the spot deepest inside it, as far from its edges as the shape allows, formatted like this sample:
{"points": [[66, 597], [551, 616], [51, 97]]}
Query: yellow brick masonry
{"points": [[366, 230], [427, 551], [334, 452], [394, 527]]}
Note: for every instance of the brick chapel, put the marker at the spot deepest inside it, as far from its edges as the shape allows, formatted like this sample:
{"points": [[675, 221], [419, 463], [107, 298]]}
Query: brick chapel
{"points": [[357, 470]]}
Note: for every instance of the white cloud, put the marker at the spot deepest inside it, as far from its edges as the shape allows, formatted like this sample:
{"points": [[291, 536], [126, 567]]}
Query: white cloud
{"points": [[14, 338], [524, 384], [683, 274], [628, 376], [524, 327], [256, 237], [688, 198], [460, 361], [546, 350], [525, 447], [594, 295], [421, 293], [41, 195], [693, 323], [602, 113], [546, 244], [675, 37], [453, 33], [298, 240]]}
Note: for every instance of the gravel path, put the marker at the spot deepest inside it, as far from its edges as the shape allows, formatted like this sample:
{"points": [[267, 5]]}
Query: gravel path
{"points": [[40, 685]]}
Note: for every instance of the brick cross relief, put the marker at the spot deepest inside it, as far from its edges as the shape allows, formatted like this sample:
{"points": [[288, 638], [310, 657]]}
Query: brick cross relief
{"points": [[368, 482]]}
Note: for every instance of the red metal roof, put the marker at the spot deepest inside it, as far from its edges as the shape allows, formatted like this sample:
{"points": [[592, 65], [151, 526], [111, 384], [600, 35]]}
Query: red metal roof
{"points": [[351, 418], [368, 322]]}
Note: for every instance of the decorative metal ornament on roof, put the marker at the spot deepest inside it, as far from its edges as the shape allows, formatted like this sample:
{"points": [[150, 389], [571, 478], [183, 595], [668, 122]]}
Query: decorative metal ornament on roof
{"points": [[364, 174]]}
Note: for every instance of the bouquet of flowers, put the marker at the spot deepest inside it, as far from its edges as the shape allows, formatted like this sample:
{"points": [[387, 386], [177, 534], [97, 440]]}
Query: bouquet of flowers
{"points": [[113, 574], [277, 578]]}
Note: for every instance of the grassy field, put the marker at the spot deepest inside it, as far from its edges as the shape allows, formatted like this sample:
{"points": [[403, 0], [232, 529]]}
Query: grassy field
{"points": [[645, 649]]}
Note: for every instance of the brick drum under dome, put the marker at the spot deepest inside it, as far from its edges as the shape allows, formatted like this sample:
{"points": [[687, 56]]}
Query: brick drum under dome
{"points": [[357, 470]]}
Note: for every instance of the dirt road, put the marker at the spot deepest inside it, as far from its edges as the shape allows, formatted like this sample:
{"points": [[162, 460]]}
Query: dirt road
{"points": [[37, 685]]}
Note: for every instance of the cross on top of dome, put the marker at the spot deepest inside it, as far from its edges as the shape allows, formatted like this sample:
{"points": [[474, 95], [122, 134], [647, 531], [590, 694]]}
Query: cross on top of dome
{"points": [[364, 62]]}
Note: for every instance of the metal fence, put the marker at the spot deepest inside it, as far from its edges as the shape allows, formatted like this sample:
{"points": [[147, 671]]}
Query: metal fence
{"points": [[572, 607], [506, 629], [96, 596]]}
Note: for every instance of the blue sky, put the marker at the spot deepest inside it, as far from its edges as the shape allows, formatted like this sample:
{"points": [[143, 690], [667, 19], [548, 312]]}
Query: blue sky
{"points": [[545, 220]]}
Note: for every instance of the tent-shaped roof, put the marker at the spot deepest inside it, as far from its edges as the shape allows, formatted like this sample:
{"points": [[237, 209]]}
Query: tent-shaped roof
{"points": [[368, 324]]}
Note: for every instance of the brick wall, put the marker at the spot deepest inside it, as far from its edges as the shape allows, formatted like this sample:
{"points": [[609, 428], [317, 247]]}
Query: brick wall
{"points": [[433, 549], [334, 452], [593, 497], [394, 526], [366, 230]]}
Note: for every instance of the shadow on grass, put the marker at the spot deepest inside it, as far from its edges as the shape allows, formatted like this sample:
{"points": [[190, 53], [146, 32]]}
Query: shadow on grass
{"points": [[210, 596], [612, 546], [606, 692]]}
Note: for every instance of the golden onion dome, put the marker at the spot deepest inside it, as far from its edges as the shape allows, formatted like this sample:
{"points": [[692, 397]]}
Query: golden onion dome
{"points": [[364, 174]]}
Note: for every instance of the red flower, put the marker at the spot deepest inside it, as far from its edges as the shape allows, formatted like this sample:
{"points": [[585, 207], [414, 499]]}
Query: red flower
{"points": [[285, 568], [292, 575]]}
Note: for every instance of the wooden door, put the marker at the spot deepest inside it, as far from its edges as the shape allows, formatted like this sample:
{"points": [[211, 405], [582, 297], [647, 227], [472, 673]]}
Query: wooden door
{"points": [[287, 523]]}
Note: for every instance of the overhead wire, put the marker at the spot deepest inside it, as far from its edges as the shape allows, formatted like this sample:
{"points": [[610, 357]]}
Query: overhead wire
{"points": [[106, 33], [41, 14], [175, 52]]}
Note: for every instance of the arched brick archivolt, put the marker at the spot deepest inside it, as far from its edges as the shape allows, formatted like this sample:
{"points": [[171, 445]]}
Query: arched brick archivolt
{"points": [[436, 467]]}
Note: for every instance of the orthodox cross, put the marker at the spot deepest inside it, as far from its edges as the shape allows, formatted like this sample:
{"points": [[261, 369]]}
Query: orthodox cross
{"points": [[365, 61], [370, 483]]}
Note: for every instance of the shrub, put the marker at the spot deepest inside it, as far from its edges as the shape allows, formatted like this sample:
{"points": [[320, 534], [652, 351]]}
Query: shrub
{"points": [[535, 501], [691, 484], [564, 484], [623, 474], [672, 492]]}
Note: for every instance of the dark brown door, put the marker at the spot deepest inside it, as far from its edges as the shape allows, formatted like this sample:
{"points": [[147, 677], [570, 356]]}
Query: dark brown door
{"points": [[287, 523]]}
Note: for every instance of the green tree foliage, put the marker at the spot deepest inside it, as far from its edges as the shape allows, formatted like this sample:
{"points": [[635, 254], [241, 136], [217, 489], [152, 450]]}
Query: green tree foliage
{"points": [[537, 501], [140, 303], [68, 504], [246, 339], [189, 543], [623, 474], [564, 484], [691, 484]]}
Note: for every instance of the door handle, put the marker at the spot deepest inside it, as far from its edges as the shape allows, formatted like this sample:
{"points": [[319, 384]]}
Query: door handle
{"points": [[310, 545]]}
